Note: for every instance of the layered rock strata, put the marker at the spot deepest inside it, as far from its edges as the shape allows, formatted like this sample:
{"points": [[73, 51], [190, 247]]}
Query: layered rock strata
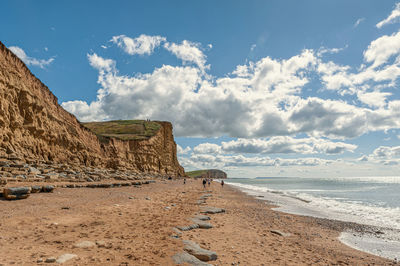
{"points": [[35, 129]]}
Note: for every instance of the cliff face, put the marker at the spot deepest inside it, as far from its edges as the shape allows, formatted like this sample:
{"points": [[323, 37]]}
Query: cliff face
{"points": [[34, 127]]}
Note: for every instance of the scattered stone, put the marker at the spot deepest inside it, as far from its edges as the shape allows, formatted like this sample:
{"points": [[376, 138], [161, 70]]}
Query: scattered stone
{"points": [[212, 210], [277, 232], [36, 189], [200, 253], [40, 260], [13, 193], [65, 208], [188, 227], [34, 171], [167, 208], [148, 198], [66, 257], [131, 197], [50, 260], [200, 202], [183, 257], [101, 244], [202, 224], [202, 217], [48, 188], [85, 244]]}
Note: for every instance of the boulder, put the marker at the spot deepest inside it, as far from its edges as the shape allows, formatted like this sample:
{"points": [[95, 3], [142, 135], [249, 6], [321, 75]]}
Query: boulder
{"points": [[202, 224], [188, 227], [36, 189], [48, 188], [200, 253], [13, 193], [202, 217]]}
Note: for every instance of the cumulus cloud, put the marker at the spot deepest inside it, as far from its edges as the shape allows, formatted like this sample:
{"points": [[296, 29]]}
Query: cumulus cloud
{"points": [[392, 18], [182, 151], [201, 161], [30, 61], [282, 144], [381, 49], [188, 52], [144, 44], [257, 100]]}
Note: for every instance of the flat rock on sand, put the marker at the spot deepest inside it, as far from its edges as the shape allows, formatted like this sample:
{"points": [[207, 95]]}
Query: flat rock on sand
{"points": [[202, 217], [66, 257], [202, 224], [184, 257], [200, 253], [212, 210], [85, 244]]}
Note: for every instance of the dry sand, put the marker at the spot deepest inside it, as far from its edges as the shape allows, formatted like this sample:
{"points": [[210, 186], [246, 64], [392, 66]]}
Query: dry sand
{"points": [[133, 226]]}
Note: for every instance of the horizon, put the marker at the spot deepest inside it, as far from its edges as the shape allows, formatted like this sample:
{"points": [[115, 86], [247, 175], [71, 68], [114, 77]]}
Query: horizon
{"points": [[312, 91]]}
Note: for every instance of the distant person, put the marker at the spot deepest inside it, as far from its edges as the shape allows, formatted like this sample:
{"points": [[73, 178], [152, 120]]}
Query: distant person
{"points": [[184, 181], [204, 183], [222, 183], [209, 182]]}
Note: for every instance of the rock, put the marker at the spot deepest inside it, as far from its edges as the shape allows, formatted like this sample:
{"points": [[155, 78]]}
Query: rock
{"points": [[66, 257], [200, 253], [101, 243], [200, 202], [48, 188], [202, 224], [89, 179], [183, 257], [50, 260], [277, 232], [34, 171], [36, 189], [202, 217], [212, 210], [148, 198], [13, 193], [85, 244], [188, 227]]}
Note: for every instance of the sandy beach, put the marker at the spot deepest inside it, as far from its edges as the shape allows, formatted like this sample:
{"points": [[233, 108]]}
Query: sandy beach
{"points": [[134, 226]]}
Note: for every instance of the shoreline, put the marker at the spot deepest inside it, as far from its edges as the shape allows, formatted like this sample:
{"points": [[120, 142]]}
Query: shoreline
{"points": [[135, 226], [376, 240]]}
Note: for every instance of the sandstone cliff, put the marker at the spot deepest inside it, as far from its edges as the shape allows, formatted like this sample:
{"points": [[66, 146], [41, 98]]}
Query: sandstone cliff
{"points": [[34, 127]]}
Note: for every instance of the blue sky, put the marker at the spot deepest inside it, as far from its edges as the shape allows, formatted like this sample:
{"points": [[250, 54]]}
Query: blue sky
{"points": [[256, 88]]}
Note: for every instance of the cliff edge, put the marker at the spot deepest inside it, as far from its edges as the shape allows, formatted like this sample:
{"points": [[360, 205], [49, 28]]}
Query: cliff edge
{"points": [[34, 128]]}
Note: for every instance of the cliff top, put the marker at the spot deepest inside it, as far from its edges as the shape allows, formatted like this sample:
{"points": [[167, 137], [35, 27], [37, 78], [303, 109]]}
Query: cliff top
{"points": [[124, 129], [207, 173]]}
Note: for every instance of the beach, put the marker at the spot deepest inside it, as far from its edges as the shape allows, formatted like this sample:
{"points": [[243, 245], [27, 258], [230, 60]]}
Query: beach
{"points": [[135, 226]]}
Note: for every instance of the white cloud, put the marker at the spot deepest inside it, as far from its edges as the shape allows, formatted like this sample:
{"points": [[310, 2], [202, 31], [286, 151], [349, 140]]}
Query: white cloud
{"points": [[144, 44], [182, 151], [276, 145], [188, 52], [381, 49], [259, 99], [100, 63], [207, 148], [30, 61], [358, 22], [392, 18]]}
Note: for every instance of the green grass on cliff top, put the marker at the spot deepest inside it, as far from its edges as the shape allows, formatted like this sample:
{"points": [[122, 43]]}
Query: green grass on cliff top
{"points": [[197, 173], [124, 129]]}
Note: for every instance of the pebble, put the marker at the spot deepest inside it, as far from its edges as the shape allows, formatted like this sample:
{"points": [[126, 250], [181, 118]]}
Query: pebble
{"points": [[50, 260], [66, 257], [85, 244]]}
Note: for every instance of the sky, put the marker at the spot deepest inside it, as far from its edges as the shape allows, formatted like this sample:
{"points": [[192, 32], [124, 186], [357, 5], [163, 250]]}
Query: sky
{"points": [[255, 88]]}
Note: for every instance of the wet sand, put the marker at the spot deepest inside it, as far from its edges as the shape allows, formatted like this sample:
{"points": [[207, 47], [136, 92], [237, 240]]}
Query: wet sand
{"points": [[133, 226]]}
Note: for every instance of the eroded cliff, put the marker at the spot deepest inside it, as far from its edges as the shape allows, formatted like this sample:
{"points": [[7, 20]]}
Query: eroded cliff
{"points": [[34, 127]]}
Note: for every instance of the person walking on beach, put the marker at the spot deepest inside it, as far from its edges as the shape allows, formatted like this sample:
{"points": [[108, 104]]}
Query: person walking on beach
{"points": [[209, 182], [204, 183], [222, 183], [184, 181]]}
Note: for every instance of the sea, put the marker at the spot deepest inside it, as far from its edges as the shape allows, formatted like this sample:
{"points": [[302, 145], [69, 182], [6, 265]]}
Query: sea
{"points": [[364, 200]]}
